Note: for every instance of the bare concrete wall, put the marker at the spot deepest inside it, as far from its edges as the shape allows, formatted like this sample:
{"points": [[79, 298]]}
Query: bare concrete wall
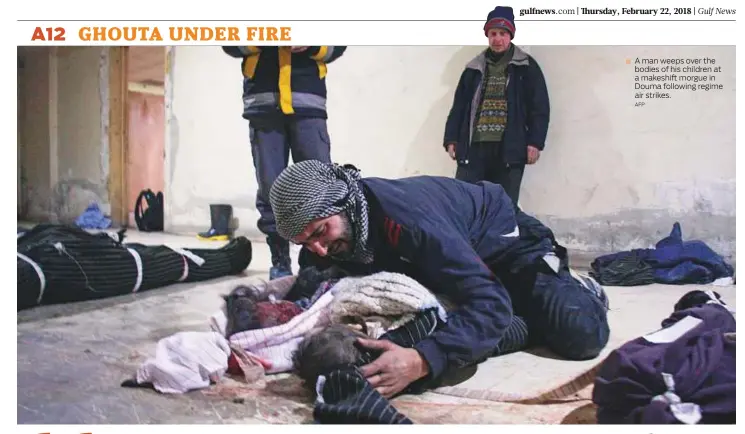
{"points": [[83, 160], [64, 157], [34, 97], [616, 175], [19, 127], [208, 157], [613, 176]]}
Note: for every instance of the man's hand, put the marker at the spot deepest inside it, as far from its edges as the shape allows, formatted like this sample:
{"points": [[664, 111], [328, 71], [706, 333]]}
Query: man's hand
{"points": [[451, 150], [396, 368], [296, 49], [533, 154]]}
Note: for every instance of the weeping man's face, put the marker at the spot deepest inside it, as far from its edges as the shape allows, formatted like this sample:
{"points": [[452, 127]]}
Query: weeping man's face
{"points": [[328, 236]]}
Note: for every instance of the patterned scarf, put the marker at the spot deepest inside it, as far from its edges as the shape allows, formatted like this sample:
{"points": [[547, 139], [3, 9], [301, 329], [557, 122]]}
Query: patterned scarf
{"points": [[310, 190]]}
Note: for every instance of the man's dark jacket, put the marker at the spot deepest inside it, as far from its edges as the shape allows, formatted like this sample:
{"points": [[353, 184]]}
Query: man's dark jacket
{"points": [[279, 82], [442, 232], [528, 108]]}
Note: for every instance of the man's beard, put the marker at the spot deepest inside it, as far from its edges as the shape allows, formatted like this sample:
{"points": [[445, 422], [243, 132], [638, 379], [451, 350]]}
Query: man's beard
{"points": [[348, 237]]}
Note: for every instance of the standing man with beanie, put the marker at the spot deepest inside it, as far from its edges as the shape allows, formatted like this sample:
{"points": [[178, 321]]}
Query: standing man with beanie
{"points": [[499, 118], [284, 101]]}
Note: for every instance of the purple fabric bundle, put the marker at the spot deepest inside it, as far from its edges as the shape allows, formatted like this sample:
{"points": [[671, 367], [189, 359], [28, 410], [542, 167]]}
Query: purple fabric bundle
{"points": [[682, 373]]}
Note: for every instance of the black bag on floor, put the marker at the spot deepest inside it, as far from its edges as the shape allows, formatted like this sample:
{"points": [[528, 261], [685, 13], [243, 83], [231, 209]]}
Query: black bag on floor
{"points": [[62, 264], [150, 219]]}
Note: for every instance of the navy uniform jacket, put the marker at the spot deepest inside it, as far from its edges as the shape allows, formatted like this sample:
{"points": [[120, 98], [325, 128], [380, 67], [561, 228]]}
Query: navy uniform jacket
{"points": [[279, 82], [693, 348], [442, 232]]}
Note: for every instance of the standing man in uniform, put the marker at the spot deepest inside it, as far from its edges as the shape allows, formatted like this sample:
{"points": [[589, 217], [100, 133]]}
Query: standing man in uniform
{"points": [[500, 113], [284, 101]]}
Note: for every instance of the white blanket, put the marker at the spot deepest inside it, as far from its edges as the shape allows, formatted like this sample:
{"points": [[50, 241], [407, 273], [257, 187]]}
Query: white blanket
{"points": [[186, 361]]}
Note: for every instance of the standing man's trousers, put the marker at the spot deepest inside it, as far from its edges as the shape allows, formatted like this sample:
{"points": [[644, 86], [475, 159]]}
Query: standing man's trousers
{"points": [[272, 142], [485, 163]]}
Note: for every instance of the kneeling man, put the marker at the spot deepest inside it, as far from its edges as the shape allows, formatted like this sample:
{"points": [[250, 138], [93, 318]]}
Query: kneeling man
{"points": [[465, 241]]}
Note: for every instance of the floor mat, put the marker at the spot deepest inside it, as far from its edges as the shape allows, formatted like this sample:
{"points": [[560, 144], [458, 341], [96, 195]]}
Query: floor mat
{"points": [[428, 410]]}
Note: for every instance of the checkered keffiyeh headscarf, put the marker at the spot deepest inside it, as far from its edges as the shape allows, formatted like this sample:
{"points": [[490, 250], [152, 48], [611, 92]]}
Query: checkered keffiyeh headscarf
{"points": [[310, 190]]}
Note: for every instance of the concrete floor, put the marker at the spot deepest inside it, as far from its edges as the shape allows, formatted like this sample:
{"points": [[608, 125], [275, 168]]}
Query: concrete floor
{"points": [[72, 359]]}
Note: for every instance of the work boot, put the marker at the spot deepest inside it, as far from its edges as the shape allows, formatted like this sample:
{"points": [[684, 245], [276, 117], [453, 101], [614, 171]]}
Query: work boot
{"points": [[220, 218], [281, 260]]}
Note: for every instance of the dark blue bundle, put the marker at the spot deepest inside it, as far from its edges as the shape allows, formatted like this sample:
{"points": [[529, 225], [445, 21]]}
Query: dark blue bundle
{"points": [[682, 373]]}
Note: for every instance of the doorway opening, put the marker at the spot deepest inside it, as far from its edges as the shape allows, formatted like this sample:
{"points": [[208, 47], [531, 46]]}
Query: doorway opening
{"points": [[146, 123]]}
